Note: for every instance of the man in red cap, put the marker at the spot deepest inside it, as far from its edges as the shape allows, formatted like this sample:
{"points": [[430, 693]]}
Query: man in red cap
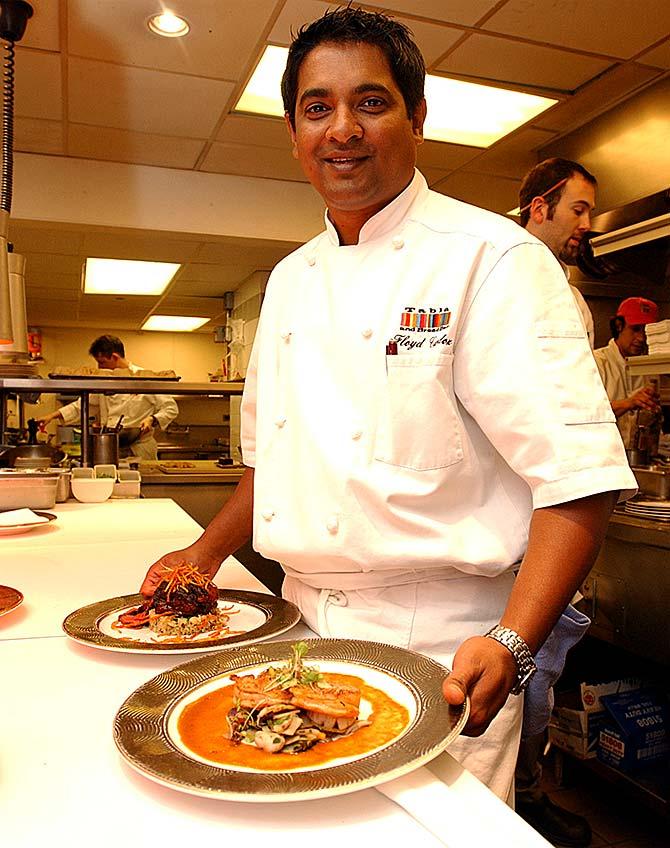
{"points": [[627, 393]]}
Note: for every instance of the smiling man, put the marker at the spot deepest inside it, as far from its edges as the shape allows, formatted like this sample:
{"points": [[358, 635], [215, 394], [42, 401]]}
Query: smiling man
{"points": [[404, 454]]}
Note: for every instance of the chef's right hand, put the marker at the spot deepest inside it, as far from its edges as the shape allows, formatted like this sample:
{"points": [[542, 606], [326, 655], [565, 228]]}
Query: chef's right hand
{"points": [[194, 554], [46, 419], [645, 398]]}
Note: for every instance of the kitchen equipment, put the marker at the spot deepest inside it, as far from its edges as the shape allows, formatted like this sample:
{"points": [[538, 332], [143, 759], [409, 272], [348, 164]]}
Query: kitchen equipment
{"points": [[35, 489], [93, 490], [128, 435], [63, 487], [103, 448], [654, 481], [9, 455], [128, 484]]}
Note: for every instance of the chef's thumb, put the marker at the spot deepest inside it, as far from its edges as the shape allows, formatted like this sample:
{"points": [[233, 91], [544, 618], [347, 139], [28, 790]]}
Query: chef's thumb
{"points": [[454, 689]]}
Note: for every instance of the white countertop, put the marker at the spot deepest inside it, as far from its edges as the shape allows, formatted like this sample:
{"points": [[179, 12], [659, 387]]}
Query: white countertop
{"points": [[61, 773]]}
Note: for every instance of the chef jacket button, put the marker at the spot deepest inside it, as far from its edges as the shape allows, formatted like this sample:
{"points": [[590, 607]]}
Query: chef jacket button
{"points": [[397, 243], [280, 422], [356, 435], [311, 261], [286, 335], [268, 514], [366, 333], [332, 525]]}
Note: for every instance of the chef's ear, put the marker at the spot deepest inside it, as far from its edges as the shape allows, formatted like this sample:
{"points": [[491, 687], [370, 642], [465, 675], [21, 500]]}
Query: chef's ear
{"points": [[418, 120], [291, 132], [538, 210]]}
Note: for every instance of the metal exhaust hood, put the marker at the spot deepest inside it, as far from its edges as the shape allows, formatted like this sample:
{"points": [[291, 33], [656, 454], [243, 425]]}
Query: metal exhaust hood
{"points": [[631, 236]]}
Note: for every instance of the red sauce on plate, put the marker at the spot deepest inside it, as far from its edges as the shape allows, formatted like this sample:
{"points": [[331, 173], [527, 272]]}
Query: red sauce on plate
{"points": [[202, 725]]}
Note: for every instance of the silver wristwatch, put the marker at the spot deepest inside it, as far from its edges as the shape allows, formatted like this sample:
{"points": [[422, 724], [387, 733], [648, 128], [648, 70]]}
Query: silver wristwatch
{"points": [[525, 664]]}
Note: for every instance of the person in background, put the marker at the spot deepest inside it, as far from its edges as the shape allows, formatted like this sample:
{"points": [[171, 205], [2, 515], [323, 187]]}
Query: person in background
{"points": [[556, 199], [393, 467], [141, 413], [627, 393]]}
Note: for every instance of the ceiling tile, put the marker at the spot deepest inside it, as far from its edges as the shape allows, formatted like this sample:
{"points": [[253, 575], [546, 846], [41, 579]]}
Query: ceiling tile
{"points": [[37, 85], [264, 254], [32, 135], [514, 156], [252, 161], [596, 97], [31, 239], [42, 29], [54, 263], [492, 58], [294, 14], [138, 245], [230, 279], [432, 39], [51, 293], [248, 129], [144, 101], [446, 157], [498, 194], [600, 26], [466, 12], [215, 273], [659, 56], [136, 148], [36, 276], [203, 307], [219, 44]]}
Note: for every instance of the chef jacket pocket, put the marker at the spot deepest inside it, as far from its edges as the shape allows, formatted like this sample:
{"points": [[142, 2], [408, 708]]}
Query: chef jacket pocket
{"points": [[571, 369], [419, 426]]}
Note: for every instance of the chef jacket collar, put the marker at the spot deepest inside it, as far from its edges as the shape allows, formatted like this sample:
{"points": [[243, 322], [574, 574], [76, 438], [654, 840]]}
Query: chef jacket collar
{"points": [[388, 219]]}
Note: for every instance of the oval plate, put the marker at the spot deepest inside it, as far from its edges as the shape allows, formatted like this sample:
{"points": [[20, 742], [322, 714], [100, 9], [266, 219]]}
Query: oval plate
{"points": [[260, 617], [146, 735], [9, 599]]}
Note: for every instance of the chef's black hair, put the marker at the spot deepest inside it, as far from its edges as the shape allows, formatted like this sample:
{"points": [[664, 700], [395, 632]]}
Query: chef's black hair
{"points": [[355, 26], [107, 345], [542, 177]]}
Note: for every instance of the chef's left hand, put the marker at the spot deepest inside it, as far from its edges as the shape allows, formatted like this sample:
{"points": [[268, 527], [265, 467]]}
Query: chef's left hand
{"points": [[486, 671], [146, 425]]}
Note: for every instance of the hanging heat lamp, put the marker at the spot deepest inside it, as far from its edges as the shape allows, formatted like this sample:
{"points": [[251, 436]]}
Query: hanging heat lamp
{"points": [[14, 15]]}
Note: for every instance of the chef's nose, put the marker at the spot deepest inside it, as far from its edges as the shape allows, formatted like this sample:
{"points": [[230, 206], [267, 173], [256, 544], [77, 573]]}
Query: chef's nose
{"points": [[343, 126]]}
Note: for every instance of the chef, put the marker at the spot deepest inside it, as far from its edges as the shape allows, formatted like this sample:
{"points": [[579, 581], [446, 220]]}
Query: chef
{"points": [[410, 425], [141, 413], [628, 393]]}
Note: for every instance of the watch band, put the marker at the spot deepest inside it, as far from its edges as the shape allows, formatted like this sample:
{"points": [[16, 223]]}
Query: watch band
{"points": [[525, 664]]}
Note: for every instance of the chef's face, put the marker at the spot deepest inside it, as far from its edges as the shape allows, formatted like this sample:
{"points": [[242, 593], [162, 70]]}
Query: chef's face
{"points": [[632, 340], [111, 361], [570, 221], [352, 135]]}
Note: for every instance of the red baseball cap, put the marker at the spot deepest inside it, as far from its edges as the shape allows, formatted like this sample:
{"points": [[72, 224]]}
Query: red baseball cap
{"points": [[638, 310]]}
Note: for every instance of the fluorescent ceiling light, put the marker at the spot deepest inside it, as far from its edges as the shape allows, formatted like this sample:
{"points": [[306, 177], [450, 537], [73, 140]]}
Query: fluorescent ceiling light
{"points": [[168, 24], [458, 112], [173, 323], [127, 276], [514, 213]]}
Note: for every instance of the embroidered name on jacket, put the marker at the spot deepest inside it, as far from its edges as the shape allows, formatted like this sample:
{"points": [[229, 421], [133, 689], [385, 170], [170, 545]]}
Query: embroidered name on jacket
{"points": [[430, 320]]}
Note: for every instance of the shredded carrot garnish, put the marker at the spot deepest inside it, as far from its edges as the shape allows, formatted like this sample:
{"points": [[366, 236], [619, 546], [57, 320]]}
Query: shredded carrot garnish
{"points": [[181, 575]]}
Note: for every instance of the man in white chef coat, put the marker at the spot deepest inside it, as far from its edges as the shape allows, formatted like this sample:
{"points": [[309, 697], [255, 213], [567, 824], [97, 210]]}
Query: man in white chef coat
{"points": [[628, 394], [141, 413], [404, 450], [556, 199]]}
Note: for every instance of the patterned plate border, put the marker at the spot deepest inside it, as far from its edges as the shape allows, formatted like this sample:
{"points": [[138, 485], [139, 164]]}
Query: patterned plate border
{"points": [[10, 599], [140, 726], [82, 624]]}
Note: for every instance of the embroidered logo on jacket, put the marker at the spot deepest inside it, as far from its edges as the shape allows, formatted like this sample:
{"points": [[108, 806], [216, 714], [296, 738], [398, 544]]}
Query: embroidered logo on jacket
{"points": [[428, 320]]}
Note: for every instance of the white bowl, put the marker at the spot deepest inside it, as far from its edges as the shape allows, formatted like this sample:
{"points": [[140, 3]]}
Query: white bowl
{"points": [[91, 491]]}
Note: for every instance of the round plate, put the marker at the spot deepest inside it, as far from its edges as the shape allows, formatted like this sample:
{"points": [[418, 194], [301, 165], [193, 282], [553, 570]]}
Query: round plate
{"points": [[258, 616], [25, 528], [145, 727], [9, 599]]}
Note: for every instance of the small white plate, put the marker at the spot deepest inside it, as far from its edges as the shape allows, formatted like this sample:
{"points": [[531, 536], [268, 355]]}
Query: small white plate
{"points": [[14, 529]]}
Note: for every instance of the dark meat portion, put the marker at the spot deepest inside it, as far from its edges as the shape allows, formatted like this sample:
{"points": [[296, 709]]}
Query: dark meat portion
{"points": [[186, 600]]}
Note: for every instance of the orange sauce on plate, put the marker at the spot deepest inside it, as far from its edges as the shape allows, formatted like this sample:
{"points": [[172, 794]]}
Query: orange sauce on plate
{"points": [[202, 726]]}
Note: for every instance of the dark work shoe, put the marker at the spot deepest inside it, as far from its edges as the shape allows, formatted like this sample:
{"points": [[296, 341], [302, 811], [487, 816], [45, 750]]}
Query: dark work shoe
{"points": [[557, 825]]}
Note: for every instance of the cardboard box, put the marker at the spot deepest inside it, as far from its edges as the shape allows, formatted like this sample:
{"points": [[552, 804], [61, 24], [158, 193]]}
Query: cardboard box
{"points": [[637, 730], [574, 729]]}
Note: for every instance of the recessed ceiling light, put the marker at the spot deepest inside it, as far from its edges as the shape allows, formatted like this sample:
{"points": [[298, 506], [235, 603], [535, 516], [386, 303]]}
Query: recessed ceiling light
{"points": [[458, 112], [127, 276], [514, 213], [168, 24], [173, 323]]}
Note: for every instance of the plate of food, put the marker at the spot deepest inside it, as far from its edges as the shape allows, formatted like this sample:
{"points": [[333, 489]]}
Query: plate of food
{"points": [[9, 599], [32, 519], [287, 722], [186, 613]]}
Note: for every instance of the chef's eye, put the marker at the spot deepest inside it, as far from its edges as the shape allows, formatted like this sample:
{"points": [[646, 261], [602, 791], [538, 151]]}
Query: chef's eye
{"points": [[373, 103], [316, 109]]}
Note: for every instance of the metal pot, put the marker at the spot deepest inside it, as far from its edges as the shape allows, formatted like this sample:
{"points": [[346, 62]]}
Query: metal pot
{"points": [[128, 435], [31, 456], [103, 448]]}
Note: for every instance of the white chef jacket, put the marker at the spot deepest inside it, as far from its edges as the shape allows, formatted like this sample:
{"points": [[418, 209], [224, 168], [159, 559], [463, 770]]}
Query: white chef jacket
{"points": [[375, 469], [134, 408], [619, 384], [584, 311]]}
